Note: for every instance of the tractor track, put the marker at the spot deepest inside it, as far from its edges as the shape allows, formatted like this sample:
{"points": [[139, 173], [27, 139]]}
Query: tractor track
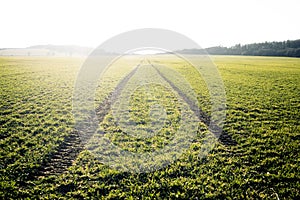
{"points": [[65, 154], [222, 136]]}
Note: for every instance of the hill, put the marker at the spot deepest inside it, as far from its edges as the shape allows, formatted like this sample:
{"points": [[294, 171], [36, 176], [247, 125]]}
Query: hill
{"points": [[47, 50]]}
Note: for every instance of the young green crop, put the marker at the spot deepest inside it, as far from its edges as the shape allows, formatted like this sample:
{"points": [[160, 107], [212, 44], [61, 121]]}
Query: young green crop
{"points": [[263, 103]]}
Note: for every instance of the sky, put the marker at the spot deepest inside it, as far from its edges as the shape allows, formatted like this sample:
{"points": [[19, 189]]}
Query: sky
{"points": [[89, 23]]}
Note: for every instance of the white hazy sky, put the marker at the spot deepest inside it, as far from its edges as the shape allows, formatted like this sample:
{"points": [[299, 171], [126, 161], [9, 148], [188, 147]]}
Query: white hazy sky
{"points": [[89, 23]]}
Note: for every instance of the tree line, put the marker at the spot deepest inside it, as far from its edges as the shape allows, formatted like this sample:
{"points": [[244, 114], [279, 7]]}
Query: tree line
{"points": [[289, 48]]}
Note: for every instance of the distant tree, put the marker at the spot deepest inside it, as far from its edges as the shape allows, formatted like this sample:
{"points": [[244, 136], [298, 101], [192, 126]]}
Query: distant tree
{"points": [[285, 48]]}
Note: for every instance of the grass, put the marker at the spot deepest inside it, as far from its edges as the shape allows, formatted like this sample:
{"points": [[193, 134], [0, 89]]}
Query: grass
{"points": [[263, 105]]}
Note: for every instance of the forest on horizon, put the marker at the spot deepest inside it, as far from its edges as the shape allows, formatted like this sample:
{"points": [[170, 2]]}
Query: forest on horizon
{"points": [[289, 48]]}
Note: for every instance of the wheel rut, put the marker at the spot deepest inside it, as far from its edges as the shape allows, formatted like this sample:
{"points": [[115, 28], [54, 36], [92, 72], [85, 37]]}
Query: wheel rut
{"points": [[59, 161], [66, 153], [222, 136]]}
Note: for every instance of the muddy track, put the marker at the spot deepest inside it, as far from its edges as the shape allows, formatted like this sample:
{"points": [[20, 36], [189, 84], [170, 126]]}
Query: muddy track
{"points": [[105, 106], [223, 137], [63, 157], [69, 149]]}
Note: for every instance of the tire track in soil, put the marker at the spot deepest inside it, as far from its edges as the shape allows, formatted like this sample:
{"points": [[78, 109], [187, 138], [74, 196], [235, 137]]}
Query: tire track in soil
{"points": [[223, 136], [70, 148]]}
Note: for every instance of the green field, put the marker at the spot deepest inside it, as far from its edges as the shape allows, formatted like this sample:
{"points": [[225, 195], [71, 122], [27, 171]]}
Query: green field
{"points": [[41, 156]]}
